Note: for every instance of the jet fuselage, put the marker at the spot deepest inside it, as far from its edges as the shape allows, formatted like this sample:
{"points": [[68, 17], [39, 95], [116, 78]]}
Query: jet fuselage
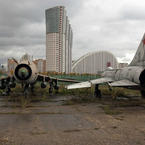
{"points": [[134, 74], [26, 72]]}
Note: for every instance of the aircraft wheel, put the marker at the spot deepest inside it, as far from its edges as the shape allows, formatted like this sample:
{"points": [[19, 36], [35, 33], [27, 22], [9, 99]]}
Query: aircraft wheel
{"points": [[143, 94], [50, 90], [26, 94], [56, 89]]}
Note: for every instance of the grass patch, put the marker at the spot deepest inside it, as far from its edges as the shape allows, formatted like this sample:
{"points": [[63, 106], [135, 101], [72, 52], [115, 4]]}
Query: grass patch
{"points": [[114, 127], [38, 133], [73, 130], [112, 107], [127, 103], [121, 118], [22, 101], [119, 92], [110, 110], [28, 106], [9, 113], [80, 100], [4, 140], [37, 113], [48, 113], [130, 102], [79, 130], [96, 128], [116, 92], [44, 93], [80, 96]]}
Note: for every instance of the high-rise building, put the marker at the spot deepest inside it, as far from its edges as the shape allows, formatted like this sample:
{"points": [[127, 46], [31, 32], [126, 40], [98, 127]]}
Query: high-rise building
{"points": [[58, 40], [11, 66], [41, 65]]}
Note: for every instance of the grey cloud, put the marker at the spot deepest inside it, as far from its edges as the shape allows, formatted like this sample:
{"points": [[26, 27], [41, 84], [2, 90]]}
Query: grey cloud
{"points": [[97, 25], [115, 30], [133, 12], [22, 25]]}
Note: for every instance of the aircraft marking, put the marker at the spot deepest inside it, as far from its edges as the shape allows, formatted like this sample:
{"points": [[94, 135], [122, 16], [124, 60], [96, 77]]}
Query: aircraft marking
{"points": [[143, 41]]}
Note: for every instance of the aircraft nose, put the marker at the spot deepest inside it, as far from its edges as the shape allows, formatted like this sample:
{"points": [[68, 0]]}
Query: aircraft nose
{"points": [[23, 72]]}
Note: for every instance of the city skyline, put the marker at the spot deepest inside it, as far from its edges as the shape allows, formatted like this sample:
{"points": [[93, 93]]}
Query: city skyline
{"points": [[114, 26]]}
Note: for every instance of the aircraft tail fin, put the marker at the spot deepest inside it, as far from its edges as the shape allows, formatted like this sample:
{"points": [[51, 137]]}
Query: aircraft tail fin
{"points": [[139, 58]]}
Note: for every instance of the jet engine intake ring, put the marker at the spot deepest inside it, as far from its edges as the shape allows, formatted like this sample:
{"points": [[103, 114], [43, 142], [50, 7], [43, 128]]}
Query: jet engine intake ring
{"points": [[142, 78], [23, 72]]}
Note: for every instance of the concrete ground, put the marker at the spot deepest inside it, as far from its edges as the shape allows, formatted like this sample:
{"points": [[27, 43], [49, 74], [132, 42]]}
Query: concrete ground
{"points": [[53, 123]]}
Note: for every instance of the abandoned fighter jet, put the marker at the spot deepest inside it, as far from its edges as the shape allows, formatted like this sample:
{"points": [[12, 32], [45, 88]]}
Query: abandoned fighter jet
{"points": [[27, 74], [132, 76]]}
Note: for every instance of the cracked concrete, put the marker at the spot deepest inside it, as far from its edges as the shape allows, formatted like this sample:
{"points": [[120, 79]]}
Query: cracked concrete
{"points": [[52, 123]]}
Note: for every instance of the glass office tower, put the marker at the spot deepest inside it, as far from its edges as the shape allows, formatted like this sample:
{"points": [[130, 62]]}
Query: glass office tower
{"points": [[58, 40]]}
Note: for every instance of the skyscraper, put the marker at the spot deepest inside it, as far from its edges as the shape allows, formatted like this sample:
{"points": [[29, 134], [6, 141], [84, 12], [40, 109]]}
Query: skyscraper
{"points": [[58, 40]]}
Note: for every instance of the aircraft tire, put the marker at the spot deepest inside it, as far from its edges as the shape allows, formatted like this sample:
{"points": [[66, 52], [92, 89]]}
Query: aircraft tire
{"points": [[143, 94]]}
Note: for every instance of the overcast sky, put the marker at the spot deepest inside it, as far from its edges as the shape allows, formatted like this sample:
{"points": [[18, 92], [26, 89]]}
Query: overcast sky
{"points": [[113, 25]]}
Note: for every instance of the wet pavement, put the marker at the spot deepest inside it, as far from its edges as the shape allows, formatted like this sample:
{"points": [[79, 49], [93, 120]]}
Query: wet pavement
{"points": [[53, 123]]}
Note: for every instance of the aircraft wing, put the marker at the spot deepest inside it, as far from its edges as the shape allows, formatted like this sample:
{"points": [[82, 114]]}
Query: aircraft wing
{"points": [[102, 80], [4, 77], [88, 84], [48, 78], [66, 80], [123, 83], [4, 81]]}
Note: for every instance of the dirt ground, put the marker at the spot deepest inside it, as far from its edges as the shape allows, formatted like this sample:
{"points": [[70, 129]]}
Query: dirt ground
{"points": [[53, 123]]}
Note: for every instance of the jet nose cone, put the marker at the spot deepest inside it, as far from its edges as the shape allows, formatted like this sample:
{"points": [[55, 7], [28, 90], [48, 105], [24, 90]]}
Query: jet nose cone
{"points": [[23, 72]]}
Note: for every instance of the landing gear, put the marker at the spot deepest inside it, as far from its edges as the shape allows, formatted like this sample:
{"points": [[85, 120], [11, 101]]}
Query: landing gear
{"points": [[142, 93], [142, 83], [56, 89], [26, 87], [53, 85], [8, 90], [32, 88], [5, 85], [97, 92], [56, 86]]}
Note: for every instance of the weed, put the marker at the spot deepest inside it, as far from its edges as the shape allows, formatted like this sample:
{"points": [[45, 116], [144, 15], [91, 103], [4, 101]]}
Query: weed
{"points": [[96, 128], [38, 133], [48, 113], [37, 113], [110, 110], [114, 127], [118, 92], [73, 130], [79, 100]]}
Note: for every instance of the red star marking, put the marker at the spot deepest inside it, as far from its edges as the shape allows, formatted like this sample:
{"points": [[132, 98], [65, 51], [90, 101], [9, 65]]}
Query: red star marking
{"points": [[143, 41], [108, 64]]}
